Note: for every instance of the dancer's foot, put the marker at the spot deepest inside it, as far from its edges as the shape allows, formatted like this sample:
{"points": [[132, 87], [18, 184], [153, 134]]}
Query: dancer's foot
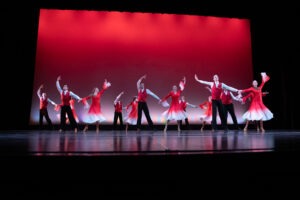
{"points": [[75, 130]]}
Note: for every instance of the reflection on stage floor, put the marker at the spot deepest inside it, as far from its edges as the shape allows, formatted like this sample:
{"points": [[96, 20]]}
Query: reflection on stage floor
{"points": [[38, 143]]}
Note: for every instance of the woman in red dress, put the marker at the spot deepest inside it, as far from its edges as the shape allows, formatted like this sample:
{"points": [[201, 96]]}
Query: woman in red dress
{"points": [[132, 116], [207, 116], [257, 110], [175, 111], [94, 114]]}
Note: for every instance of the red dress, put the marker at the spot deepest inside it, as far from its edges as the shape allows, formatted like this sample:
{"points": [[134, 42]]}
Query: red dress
{"points": [[131, 118], [175, 112], [257, 110], [207, 106], [94, 113]]}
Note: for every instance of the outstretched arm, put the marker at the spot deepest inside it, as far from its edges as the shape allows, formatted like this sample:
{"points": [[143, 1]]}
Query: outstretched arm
{"points": [[232, 89], [118, 97], [203, 82], [39, 91], [139, 82], [58, 85], [152, 94], [191, 105], [75, 96], [234, 97], [52, 102]]}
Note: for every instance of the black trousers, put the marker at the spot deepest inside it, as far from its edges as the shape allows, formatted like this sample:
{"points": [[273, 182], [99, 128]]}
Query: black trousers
{"points": [[118, 115], [217, 106], [44, 113], [142, 106], [229, 108], [67, 110], [187, 124]]}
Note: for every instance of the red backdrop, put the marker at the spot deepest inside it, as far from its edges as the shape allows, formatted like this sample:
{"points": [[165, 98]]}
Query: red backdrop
{"points": [[85, 47]]}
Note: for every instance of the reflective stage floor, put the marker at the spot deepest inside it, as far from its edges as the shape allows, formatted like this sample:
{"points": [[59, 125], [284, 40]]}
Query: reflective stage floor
{"points": [[149, 164], [107, 143]]}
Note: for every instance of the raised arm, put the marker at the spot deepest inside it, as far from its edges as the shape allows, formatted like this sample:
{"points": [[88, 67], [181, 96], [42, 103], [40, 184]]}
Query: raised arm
{"points": [[182, 83], [139, 81], [58, 85], [264, 78], [105, 85], [118, 97], [39, 91], [232, 89], [203, 82]]}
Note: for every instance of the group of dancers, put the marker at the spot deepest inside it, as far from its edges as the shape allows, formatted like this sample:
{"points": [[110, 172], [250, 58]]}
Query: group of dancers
{"points": [[219, 101]]}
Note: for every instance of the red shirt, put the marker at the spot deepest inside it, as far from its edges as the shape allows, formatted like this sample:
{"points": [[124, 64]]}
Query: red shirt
{"points": [[142, 96], [216, 91], [118, 107]]}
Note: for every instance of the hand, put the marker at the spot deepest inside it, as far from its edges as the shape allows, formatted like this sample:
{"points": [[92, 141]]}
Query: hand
{"points": [[58, 78], [41, 86], [196, 77], [144, 77]]}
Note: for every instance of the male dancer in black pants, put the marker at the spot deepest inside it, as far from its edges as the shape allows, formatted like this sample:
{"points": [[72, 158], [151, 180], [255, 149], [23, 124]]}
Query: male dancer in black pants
{"points": [[216, 90], [142, 103], [66, 96]]}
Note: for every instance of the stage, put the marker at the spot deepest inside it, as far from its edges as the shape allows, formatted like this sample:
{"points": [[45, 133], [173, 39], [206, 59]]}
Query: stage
{"points": [[148, 163], [133, 143]]}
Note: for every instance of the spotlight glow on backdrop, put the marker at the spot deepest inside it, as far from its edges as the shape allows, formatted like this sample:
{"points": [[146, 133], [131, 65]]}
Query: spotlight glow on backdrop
{"points": [[85, 47]]}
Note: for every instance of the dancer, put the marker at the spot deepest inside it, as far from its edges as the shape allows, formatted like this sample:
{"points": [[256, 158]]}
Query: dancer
{"points": [[216, 90], [131, 118], [175, 111], [94, 114], [207, 116], [72, 104], [183, 105], [44, 100], [227, 97], [257, 110], [66, 96], [142, 103], [118, 111]]}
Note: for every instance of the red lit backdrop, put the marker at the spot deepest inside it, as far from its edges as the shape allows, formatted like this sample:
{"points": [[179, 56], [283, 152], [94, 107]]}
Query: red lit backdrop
{"points": [[86, 47]]}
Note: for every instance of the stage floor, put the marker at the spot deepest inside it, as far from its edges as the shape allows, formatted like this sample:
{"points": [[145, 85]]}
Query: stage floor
{"points": [[107, 143], [148, 164]]}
